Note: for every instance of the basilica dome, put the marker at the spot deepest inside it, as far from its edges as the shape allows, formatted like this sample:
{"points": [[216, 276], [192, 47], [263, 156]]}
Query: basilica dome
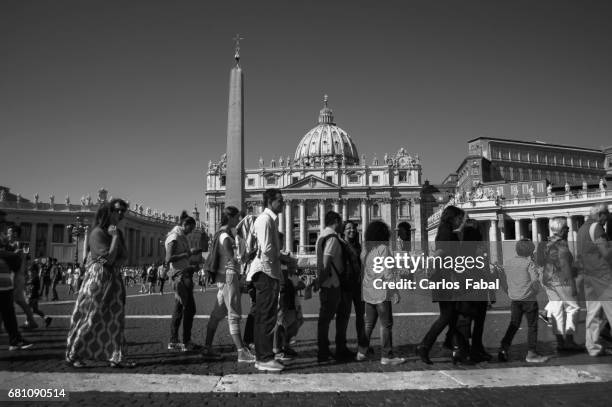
{"points": [[326, 143]]}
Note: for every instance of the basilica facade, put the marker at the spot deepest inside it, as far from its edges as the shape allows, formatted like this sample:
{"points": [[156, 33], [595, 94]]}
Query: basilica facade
{"points": [[327, 173]]}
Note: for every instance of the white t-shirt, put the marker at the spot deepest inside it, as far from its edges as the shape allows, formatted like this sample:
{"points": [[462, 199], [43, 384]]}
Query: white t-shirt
{"points": [[226, 263]]}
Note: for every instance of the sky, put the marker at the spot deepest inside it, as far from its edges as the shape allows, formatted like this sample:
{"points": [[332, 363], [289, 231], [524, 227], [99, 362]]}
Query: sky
{"points": [[132, 95]]}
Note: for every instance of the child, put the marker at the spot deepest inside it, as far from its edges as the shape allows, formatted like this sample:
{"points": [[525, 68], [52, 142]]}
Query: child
{"points": [[290, 317], [33, 288], [522, 288]]}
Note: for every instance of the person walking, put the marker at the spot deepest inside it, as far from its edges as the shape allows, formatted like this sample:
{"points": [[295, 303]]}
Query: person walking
{"points": [[330, 268], [227, 278], [56, 278], [178, 254], [558, 279], [266, 274], [19, 276], [447, 244], [595, 254], [97, 326], [522, 286], [378, 302], [162, 275]]}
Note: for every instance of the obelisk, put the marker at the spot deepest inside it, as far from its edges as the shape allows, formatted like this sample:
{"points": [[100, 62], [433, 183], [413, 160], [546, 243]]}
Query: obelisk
{"points": [[234, 182]]}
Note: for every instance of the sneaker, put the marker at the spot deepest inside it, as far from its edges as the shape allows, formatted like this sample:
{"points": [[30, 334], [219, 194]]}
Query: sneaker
{"points": [[210, 355], [533, 357], [269, 366], [543, 315], [392, 361], [22, 344], [191, 346], [28, 326], [502, 355], [361, 357], [176, 346], [283, 357], [245, 355], [48, 321]]}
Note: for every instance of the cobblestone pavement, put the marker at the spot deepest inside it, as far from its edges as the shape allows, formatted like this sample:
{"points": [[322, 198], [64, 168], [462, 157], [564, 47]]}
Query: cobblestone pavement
{"points": [[147, 330]]}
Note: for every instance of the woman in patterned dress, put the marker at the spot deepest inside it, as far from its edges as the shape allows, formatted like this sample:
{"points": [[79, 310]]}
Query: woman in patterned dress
{"points": [[98, 320]]}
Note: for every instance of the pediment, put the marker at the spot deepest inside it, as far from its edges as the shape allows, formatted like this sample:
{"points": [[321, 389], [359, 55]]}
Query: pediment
{"points": [[312, 182]]}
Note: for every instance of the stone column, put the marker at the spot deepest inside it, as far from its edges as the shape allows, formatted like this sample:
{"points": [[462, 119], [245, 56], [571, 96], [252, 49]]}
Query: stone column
{"points": [[570, 235], [302, 225], [364, 218], [321, 215], [281, 222], [288, 227], [337, 207], [33, 240], [493, 241], [83, 252], [534, 230], [49, 239], [517, 229], [344, 203]]}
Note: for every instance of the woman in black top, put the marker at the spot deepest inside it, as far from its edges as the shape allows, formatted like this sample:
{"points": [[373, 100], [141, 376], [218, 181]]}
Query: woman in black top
{"points": [[447, 244]]}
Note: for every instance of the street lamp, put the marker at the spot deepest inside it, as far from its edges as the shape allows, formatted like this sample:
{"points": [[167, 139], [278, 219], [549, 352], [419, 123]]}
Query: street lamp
{"points": [[77, 230]]}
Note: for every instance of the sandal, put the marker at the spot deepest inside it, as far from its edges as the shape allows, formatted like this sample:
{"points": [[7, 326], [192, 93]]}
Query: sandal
{"points": [[74, 363], [122, 365]]}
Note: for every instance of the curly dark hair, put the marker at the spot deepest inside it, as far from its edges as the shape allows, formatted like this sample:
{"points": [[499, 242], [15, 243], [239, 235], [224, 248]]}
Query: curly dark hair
{"points": [[450, 213], [376, 233]]}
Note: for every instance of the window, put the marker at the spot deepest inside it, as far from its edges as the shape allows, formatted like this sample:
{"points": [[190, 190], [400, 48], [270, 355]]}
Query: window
{"points": [[403, 176], [404, 209], [353, 179], [222, 180], [294, 179], [271, 181], [375, 211], [475, 171], [58, 234], [329, 178], [525, 189], [251, 182], [375, 179]]}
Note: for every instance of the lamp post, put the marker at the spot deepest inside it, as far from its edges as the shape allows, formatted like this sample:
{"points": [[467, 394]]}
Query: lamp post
{"points": [[77, 230]]}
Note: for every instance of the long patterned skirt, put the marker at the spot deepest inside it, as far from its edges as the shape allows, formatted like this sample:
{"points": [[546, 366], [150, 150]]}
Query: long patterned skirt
{"points": [[98, 320]]}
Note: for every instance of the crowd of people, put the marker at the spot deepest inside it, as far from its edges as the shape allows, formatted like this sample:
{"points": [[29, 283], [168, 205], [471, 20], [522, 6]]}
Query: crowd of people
{"points": [[247, 256]]}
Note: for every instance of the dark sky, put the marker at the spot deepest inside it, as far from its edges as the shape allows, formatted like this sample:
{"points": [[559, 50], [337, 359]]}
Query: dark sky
{"points": [[132, 95]]}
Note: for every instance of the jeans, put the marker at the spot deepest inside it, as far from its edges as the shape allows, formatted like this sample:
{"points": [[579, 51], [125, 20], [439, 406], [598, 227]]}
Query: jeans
{"points": [[226, 304], [517, 309], [161, 285], [249, 328], [266, 309], [330, 298], [448, 317], [594, 323], [7, 309], [353, 297], [54, 290], [464, 330], [184, 309], [385, 313]]}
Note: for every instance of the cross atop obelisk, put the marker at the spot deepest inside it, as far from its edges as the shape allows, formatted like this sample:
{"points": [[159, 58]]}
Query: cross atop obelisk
{"points": [[237, 39], [234, 187]]}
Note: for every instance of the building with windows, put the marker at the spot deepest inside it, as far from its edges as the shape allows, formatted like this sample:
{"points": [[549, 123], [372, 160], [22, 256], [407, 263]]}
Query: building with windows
{"points": [[608, 152], [44, 227], [492, 160], [327, 173]]}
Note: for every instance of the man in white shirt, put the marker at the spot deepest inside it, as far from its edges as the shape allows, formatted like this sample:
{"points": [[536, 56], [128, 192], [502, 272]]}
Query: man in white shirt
{"points": [[266, 268]]}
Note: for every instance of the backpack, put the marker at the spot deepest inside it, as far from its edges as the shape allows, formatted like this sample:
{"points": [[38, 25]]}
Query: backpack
{"points": [[211, 265], [250, 249], [346, 276]]}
